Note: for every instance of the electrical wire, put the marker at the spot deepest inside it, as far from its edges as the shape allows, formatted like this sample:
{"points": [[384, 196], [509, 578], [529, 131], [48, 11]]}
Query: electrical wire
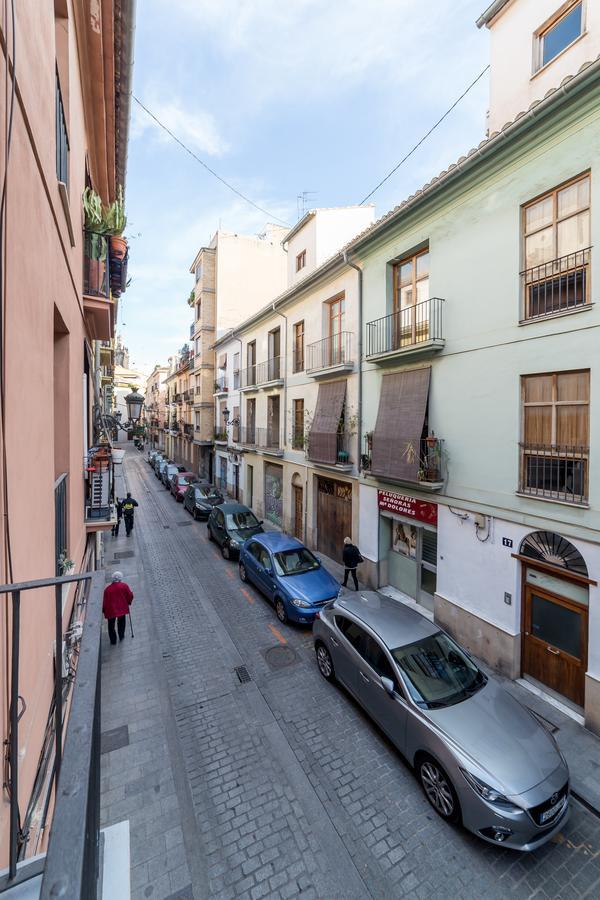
{"points": [[424, 138], [207, 167]]}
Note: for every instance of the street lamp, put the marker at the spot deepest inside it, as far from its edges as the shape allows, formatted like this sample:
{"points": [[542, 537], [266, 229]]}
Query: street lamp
{"points": [[234, 422], [134, 403]]}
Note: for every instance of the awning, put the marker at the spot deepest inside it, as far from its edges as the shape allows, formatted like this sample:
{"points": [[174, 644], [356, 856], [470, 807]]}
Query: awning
{"points": [[223, 361], [400, 418], [322, 440]]}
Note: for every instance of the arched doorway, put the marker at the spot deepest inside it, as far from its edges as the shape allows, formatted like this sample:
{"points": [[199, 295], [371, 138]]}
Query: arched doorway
{"points": [[555, 614]]}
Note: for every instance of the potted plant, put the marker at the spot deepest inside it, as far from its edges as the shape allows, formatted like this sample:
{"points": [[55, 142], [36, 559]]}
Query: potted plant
{"points": [[116, 221], [95, 250], [431, 440]]}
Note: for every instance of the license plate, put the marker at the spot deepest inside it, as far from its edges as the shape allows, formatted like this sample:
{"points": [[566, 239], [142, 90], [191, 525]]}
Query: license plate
{"points": [[550, 813]]}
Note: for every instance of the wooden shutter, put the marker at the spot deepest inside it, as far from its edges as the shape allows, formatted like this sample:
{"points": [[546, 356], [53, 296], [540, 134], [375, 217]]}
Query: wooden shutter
{"points": [[324, 429], [400, 418]]}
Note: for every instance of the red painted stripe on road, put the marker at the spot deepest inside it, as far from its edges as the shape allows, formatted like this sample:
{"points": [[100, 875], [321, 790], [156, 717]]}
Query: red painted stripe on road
{"points": [[248, 596], [277, 634], [229, 573]]}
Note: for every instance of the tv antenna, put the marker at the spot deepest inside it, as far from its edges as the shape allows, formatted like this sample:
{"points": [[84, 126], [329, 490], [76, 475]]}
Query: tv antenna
{"points": [[303, 202]]}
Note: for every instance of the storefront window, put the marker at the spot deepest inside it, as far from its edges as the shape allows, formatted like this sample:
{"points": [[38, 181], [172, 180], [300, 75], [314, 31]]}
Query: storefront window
{"points": [[404, 539]]}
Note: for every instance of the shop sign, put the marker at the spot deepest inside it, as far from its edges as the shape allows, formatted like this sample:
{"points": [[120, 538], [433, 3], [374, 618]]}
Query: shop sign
{"points": [[403, 505]]}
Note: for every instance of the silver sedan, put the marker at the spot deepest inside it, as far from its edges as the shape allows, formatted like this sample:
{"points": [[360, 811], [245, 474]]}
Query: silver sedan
{"points": [[482, 758]]}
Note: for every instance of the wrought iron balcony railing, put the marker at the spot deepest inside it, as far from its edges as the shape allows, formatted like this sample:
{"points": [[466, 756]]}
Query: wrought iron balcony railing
{"points": [[268, 438], [429, 465], [557, 286], [331, 449], [298, 439], [248, 435], [220, 435], [262, 373], [96, 281], [406, 328], [335, 350], [555, 472], [221, 385]]}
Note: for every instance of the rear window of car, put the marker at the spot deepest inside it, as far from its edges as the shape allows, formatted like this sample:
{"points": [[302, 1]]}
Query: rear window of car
{"points": [[206, 492]]}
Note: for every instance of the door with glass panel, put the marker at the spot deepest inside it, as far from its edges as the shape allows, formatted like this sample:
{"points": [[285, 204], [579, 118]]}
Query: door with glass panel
{"points": [[556, 250], [410, 320], [336, 327], [555, 642]]}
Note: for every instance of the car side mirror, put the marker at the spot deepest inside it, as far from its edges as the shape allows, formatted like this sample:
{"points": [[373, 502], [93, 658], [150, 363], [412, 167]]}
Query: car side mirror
{"points": [[388, 684]]}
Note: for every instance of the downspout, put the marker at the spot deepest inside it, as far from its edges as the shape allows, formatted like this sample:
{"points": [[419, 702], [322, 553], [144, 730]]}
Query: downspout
{"points": [[359, 353]]}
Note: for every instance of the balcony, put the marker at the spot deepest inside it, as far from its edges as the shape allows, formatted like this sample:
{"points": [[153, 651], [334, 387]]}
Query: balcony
{"points": [[220, 436], [192, 331], [552, 472], [188, 431], [332, 450], [407, 334], [248, 436], [330, 356], [298, 439], [559, 286], [221, 387], [100, 512], [263, 375], [430, 470], [267, 440], [178, 398], [188, 395], [99, 309]]}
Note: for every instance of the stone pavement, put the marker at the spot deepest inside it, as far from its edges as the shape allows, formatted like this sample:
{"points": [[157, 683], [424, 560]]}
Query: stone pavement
{"points": [[248, 776]]}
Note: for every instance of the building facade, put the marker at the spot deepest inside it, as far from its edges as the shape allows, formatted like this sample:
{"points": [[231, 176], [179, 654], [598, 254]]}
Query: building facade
{"points": [[155, 408]]}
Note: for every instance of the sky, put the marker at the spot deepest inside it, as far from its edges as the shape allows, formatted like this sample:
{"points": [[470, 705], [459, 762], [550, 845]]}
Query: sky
{"points": [[279, 98]]}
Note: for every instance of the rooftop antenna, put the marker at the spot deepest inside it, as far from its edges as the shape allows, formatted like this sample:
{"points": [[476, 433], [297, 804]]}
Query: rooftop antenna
{"points": [[303, 202]]}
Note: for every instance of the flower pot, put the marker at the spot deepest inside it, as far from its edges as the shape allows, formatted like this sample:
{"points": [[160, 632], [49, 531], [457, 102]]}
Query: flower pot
{"points": [[117, 456], [431, 441], [118, 247]]}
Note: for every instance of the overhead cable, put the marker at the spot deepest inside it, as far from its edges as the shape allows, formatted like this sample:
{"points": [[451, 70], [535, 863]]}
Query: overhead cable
{"points": [[207, 167]]}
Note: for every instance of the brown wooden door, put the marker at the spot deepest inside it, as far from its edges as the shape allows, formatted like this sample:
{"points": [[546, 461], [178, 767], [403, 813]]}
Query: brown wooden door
{"points": [[555, 642], [334, 516], [298, 529]]}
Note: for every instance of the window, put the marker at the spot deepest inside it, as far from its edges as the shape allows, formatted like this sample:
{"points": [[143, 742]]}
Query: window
{"points": [[301, 260], [353, 633], [377, 659], [295, 562], [555, 431], [62, 138], [438, 673], [557, 34], [332, 353], [556, 250], [298, 425], [411, 300], [198, 273], [298, 361], [236, 371], [236, 427]]}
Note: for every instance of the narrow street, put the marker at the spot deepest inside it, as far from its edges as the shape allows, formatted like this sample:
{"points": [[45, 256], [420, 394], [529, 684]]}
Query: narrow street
{"points": [[288, 789]]}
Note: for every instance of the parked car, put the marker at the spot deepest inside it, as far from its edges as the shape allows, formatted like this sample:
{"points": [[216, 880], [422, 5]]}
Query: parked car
{"points": [[151, 455], [480, 756], [230, 524], [288, 574], [179, 484], [200, 498], [169, 470], [159, 466]]}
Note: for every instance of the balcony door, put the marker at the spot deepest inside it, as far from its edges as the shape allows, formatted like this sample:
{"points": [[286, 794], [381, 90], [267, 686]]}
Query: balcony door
{"points": [[274, 354], [410, 322], [251, 364], [335, 331], [273, 422]]}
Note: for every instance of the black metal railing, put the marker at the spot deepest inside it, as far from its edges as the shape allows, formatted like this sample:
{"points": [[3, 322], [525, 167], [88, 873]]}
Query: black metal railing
{"points": [[188, 430], [262, 373], [406, 327], [95, 265], [62, 138], [331, 448], [178, 398], [71, 864], [236, 379], [220, 434], [221, 384], [268, 438], [429, 464], [248, 435], [556, 286], [298, 439], [61, 537], [335, 350], [555, 472]]}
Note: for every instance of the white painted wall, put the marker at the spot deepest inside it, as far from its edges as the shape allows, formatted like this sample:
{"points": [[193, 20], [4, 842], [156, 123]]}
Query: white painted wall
{"points": [[323, 234], [514, 85], [368, 528], [305, 239]]}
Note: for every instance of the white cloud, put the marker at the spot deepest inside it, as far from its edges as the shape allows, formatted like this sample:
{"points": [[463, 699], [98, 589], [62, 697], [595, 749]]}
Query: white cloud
{"points": [[196, 128]]}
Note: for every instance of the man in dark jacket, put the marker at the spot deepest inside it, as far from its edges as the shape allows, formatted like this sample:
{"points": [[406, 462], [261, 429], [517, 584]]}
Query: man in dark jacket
{"points": [[117, 599], [119, 509], [129, 505], [352, 558]]}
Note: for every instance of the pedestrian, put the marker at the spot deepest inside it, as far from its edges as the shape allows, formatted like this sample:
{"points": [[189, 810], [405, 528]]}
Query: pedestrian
{"points": [[129, 505], [115, 528], [117, 599], [352, 558]]}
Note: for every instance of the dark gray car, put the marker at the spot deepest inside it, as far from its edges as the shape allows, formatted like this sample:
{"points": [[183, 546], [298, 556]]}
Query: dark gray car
{"points": [[480, 756]]}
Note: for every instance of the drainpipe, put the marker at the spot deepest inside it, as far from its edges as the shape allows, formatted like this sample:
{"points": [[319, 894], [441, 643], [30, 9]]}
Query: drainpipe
{"points": [[284, 373], [359, 352]]}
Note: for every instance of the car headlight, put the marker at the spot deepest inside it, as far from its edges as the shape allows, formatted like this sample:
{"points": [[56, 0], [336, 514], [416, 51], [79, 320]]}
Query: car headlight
{"points": [[298, 602], [235, 544], [490, 794]]}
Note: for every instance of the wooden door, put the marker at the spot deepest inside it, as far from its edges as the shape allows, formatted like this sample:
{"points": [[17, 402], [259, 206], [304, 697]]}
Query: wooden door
{"points": [[334, 517], [298, 529], [555, 642], [336, 326]]}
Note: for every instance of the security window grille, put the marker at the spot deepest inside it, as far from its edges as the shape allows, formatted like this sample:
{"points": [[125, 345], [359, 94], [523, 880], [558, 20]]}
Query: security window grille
{"points": [[62, 138]]}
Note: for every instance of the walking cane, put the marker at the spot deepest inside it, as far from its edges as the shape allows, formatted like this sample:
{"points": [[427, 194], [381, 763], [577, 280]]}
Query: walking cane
{"points": [[130, 624]]}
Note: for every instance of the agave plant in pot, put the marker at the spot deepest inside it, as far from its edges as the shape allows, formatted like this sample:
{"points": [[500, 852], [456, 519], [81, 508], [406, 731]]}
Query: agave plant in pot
{"points": [[95, 242], [116, 221]]}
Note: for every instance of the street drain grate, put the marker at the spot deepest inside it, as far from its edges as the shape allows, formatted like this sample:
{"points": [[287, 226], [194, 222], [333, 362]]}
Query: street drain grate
{"points": [[243, 674], [125, 554], [166, 526], [280, 657]]}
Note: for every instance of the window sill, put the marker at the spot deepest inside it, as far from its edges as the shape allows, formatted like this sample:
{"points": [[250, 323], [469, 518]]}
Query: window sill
{"points": [[552, 500], [557, 315], [558, 55]]}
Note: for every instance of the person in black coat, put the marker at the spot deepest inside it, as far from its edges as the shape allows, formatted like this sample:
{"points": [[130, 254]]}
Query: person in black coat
{"points": [[352, 558]]}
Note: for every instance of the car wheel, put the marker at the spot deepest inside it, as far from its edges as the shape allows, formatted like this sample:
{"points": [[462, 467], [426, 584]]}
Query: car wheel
{"points": [[243, 573], [324, 661], [210, 534], [225, 551], [280, 610], [438, 788]]}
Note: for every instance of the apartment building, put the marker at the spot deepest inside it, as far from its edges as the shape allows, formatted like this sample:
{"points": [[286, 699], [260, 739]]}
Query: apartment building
{"points": [[155, 407], [68, 88], [234, 275], [179, 412], [478, 498]]}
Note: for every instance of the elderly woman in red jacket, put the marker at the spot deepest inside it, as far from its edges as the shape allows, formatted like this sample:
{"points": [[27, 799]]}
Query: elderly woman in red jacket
{"points": [[118, 597]]}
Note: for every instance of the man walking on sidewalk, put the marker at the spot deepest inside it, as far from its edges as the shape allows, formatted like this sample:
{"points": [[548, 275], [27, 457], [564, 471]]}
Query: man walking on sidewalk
{"points": [[118, 597], [129, 505], [352, 558]]}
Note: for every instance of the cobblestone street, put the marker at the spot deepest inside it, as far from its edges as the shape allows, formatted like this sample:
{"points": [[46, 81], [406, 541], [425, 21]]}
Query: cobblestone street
{"points": [[280, 785]]}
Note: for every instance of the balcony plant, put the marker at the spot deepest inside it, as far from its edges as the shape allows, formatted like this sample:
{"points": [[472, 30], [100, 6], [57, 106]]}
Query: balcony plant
{"points": [[116, 221]]}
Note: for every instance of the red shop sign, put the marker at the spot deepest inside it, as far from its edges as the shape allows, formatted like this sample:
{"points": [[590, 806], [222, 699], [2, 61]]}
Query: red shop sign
{"points": [[408, 506]]}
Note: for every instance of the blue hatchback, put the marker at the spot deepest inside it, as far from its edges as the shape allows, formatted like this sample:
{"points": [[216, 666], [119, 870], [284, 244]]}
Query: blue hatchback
{"points": [[288, 574]]}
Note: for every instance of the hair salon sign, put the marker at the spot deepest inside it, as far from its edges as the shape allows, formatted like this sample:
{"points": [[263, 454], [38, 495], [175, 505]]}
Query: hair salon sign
{"points": [[403, 505]]}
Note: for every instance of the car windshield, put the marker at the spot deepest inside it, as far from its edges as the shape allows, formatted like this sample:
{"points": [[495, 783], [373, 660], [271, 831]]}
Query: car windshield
{"points": [[295, 562], [207, 492], [183, 479], [240, 520], [438, 673]]}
